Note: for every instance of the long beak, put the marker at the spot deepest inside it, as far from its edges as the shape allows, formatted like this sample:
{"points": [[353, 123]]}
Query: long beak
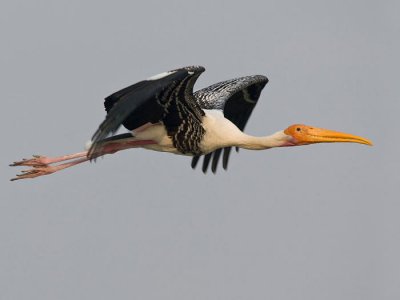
{"points": [[320, 135]]}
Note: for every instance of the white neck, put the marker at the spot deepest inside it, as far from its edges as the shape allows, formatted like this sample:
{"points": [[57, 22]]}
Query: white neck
{"points": [[220, 132], [277, 139]]}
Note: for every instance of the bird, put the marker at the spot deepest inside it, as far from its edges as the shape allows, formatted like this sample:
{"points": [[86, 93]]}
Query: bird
{"points": [[163, 113]]}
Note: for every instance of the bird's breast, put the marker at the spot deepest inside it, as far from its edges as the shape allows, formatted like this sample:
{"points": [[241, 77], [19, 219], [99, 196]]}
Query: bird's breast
{"points": [[159, 135], [219, 132]]}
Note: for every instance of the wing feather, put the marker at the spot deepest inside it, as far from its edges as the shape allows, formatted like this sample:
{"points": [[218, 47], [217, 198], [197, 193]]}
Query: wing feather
{"points": [[153, 100], [237, 98], [206, 162]]}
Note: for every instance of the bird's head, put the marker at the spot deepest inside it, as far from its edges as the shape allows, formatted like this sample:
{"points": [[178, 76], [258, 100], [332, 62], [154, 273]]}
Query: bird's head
{"points": [[299, 134]]}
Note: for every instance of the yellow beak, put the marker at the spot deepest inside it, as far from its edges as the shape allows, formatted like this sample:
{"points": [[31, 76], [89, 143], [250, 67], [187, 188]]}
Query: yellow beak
{"points": [[304, 134]]}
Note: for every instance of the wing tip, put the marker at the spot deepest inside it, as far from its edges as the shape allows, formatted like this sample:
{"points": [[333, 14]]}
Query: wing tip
{"points": [[261, 78], [191, 70]]}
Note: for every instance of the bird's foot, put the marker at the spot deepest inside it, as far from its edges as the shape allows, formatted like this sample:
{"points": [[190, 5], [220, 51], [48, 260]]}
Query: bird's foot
{"points": [[35, 161], [40, 165], [36, 171]]}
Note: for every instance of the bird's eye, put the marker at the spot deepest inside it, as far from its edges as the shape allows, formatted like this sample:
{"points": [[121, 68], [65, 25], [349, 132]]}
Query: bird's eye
{"points": [[298, 129]]}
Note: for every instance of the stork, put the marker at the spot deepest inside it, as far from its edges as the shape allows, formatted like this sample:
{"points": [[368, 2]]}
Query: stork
{"points": [[162, 113]]}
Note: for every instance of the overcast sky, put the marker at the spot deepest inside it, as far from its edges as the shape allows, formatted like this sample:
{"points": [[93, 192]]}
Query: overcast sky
{"points": [[316, 222]]}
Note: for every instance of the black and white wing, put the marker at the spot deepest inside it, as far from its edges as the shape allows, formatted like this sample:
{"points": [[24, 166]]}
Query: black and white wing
{"points": [[237, 98], [167, 98]]}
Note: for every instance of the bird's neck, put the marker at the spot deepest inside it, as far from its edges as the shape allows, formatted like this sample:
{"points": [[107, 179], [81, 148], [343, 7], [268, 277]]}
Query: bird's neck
{"points": [[278, 139]]}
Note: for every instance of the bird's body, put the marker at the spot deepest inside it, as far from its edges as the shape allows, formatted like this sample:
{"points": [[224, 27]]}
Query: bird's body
{"points": [[163, 114], [210, 140], [219, 132]]}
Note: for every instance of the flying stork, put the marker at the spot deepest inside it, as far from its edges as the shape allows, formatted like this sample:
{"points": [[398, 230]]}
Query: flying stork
{"points": [[162, 113]]}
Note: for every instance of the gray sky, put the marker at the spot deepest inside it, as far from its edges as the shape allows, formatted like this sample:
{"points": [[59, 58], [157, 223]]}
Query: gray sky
{"points": [[316, 222]]}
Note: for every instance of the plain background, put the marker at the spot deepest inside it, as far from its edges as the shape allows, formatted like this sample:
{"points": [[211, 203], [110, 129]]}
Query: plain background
{"points": [[316, 222]]}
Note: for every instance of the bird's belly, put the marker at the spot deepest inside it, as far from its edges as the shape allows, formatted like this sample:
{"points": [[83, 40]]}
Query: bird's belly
{"points": [[210, 142], [158, 134], [162, 148]]}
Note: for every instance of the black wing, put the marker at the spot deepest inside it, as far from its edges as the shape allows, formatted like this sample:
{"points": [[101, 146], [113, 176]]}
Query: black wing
{"points": [[237, 98], [167, 98]]}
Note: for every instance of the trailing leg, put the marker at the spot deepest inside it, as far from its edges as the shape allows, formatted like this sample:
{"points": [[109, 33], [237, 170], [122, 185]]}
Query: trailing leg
{"points": [[43, 165]]}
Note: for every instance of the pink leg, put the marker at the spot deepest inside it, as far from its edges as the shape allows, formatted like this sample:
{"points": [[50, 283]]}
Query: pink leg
{"points": [[37, 171], [41, 164], [113, 147], [38, 161]]}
